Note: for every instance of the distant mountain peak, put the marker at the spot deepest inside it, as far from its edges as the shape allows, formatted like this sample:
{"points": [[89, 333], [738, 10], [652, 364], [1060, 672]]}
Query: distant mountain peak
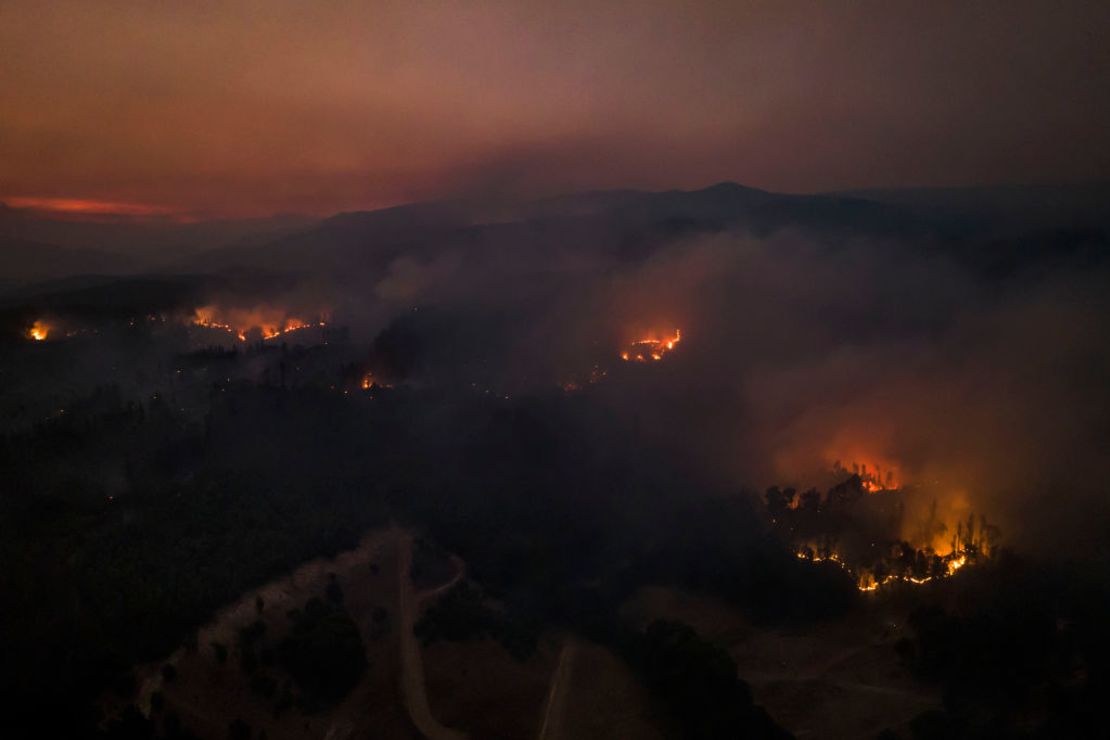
{"points": [[728, 186]]}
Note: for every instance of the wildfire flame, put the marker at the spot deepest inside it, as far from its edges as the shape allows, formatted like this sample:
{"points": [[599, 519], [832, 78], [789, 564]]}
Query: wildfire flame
{"points": [[956, 564], [39, 331], [269, 322], [866, 579], [873, 477], [933, 548], [650, 349]]}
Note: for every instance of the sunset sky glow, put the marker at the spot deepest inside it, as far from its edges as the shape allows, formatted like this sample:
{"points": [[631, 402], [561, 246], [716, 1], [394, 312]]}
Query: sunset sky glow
{"points": [[250, 108]]}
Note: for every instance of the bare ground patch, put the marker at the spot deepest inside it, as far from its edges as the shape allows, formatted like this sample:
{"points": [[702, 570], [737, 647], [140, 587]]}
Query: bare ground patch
{"points": [[208, 695]]}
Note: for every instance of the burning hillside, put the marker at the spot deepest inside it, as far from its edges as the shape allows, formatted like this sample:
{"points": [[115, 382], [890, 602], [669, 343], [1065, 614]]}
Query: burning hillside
{"points": [[651, 348], [261, 322], [647, 350], [900, 562], [860, 525]]}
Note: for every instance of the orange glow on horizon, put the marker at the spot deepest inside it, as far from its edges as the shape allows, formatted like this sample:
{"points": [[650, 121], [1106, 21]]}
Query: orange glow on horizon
{"points": [[91, 207]]}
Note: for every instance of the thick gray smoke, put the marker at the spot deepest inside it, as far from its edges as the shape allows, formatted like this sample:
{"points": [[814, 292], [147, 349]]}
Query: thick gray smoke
{"points": [[987, 392]]}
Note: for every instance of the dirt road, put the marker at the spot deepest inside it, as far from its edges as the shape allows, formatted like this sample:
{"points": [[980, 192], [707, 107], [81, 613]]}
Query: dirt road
{"points": [[551, 728], [413, 688]]}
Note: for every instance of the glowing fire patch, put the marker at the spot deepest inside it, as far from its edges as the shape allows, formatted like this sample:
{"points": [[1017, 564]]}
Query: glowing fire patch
{"points": [[940, 567], [270, 323], [874, 478], [39, 331], [956, 563], [931, 549], [650, 349]]}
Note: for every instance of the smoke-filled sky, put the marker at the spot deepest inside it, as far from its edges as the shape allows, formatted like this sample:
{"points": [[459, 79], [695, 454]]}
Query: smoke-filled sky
{"points": [[215, 108]]}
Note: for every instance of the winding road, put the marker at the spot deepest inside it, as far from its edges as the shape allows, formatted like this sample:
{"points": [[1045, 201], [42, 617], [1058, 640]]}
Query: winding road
{"points": [[413, 689]]}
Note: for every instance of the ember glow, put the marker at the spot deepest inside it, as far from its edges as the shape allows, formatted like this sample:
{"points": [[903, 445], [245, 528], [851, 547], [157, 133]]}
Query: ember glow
{"points": [[38, 331], [595, 376], [651, 349], [874, 478]]}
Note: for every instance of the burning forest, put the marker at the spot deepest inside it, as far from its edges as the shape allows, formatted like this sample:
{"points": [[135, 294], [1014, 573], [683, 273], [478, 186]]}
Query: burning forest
{"points": [[520, 440], [861, 525], [260, 323], [395, 370], [572, 440], [651, 349]]}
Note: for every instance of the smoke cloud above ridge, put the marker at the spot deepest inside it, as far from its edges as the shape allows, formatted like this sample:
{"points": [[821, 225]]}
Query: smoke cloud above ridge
{"points": [[798, 352]]}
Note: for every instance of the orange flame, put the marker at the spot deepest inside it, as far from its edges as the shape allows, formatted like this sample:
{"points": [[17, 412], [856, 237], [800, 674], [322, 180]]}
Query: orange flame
{"points": [[650, 348], [39, 331], [873, 477], [269, 322], [866, 580], [936, 541]]}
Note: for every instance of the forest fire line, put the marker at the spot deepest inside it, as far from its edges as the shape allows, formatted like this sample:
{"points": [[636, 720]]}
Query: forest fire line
{"points": [[650, 349], [858, 525], [268, 323], [902, 564]]}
